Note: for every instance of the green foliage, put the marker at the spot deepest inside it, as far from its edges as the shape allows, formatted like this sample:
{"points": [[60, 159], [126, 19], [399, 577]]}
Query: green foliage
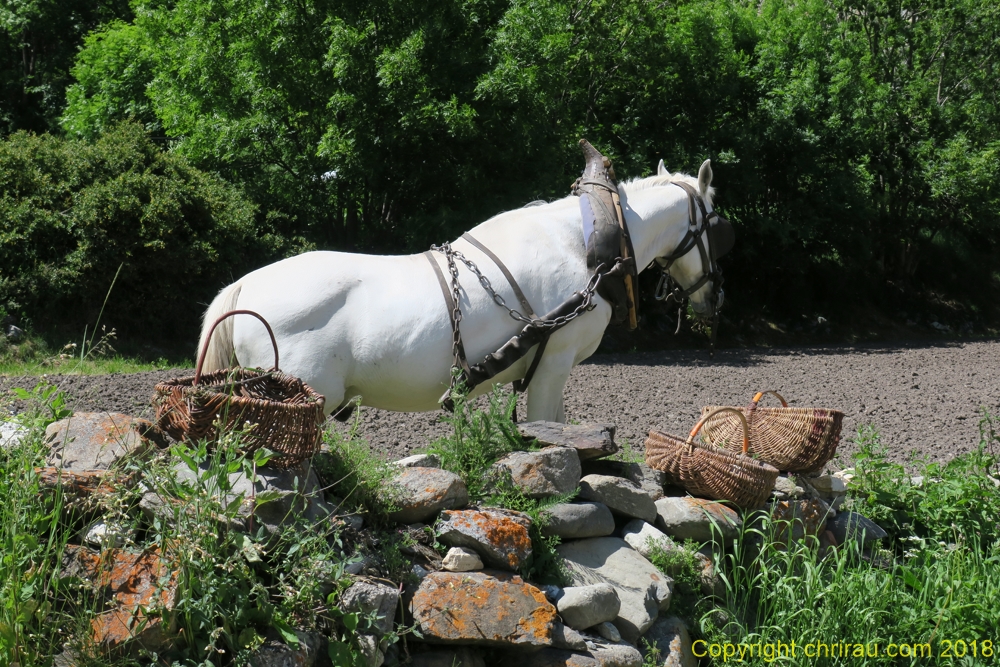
{"points": [[854, 148], [38, 41], [479, 438], [933, 583], [681, 564], [362, 478], [76, 212], [957, 501], [34, 528]]}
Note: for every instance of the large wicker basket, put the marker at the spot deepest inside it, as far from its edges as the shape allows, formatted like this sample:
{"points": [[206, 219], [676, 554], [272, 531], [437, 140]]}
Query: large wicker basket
{"points": [[712, 472], [791, 439], [285, 412]]}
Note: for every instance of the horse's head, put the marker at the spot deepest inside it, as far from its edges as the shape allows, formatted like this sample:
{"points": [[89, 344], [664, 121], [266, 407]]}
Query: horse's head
{"points": [[692, 262]]}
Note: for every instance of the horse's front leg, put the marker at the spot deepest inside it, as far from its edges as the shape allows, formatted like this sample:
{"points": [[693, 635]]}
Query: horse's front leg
{"points": [[545, 393]]}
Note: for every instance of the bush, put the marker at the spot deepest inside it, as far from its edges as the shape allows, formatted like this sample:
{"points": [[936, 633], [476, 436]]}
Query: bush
{"points": [[74, 212]]}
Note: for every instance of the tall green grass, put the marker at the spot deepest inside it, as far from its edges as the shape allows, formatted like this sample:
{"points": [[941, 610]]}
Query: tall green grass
{"points": [[934, 583]]}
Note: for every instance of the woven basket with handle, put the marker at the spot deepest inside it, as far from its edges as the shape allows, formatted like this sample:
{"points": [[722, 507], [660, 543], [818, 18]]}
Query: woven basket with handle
{"points": [[285, 411], [791, 439], [712, 472]]}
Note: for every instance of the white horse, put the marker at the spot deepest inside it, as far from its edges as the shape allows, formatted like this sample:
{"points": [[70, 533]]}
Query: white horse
{"points": [[376, 327]]}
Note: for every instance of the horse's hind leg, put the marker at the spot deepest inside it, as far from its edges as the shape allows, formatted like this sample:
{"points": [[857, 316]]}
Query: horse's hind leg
{"points": [[545, 393]]}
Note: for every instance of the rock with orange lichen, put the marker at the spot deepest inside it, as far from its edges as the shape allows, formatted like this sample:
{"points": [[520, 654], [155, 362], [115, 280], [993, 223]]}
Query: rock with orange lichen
{"points": [[426, 491], [132, 585], [553, 471], [500, 536], [95, 440], [488, 608]]}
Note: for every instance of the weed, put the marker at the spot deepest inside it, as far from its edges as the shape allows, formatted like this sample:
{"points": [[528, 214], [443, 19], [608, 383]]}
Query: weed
{"points": [[627, 454], [479, 438], [359, 476], [681, 564]]}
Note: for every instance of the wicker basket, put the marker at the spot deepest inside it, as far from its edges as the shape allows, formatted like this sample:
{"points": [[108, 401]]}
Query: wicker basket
{"points": [[791, 439], [287, 413], [705, 470]]}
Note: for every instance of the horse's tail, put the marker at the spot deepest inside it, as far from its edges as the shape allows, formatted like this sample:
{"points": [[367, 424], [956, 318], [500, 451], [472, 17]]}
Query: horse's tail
{"points": [[220, 349]]}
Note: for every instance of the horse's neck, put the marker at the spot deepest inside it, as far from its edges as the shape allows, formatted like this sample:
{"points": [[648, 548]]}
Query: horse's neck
{"points": [[657, 221]]}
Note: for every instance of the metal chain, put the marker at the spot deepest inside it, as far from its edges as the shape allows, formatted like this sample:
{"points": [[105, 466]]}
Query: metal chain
{"points": [[456, 316]]}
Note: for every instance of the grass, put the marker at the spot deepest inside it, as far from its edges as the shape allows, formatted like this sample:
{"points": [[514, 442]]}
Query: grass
{"points": [[235, 586], [34, 356], [931, 586]]}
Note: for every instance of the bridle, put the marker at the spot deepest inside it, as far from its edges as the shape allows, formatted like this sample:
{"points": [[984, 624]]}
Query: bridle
{"points": [[721, 239]]}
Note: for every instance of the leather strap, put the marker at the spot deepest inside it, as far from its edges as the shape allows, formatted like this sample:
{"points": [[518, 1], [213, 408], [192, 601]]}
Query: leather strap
{"points": [[450, 303], [520, 386], [529, 311]]}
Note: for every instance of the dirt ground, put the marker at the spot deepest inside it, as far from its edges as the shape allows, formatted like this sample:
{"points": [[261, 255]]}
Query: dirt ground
{"points": [[923, 398]]}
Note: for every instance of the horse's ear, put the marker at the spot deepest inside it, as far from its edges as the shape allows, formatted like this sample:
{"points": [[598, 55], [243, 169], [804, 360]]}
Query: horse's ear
{"points": [[661, 170], [705, 177]]}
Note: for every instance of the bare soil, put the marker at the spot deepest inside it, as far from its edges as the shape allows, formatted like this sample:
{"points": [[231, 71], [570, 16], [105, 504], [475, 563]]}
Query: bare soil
{"points": [[923, 398]]}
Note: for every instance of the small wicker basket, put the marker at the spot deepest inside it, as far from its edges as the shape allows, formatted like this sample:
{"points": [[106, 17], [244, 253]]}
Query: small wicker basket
{"points": [[709, 471], [285, 411], [791, 439]]}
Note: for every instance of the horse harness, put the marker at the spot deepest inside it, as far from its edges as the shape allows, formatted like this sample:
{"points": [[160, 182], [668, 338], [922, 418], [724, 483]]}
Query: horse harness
{"points": [[721, 240], [608, 245]]}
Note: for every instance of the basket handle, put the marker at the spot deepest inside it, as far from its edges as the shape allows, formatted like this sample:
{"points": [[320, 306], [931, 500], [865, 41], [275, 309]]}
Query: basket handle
{"points": [[743, 420], [211, 330], [760, 394]]}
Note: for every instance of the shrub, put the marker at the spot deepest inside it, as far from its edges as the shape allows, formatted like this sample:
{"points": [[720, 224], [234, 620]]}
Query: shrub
{"points": [[74, 212]]}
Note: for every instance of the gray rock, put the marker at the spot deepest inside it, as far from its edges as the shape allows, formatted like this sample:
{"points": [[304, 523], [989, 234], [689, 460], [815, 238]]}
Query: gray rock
{"points": [[426, 491], [566, 637], [552, 471], [695, 518], [649, 479], [608, 631], [852, 526], [643, 537], [785, 488], [500, 536], [11, 433], [15, 334], [365, 597], [591, 441], [95, 440], [460, 559], [671, 641], [584, 606], [276, 653], [460, 656], [418, 461], [578, 520], [370, 653], [616, 655], [103, 534], [642, 589], [827, 486], [622, 496], [551, 657]]}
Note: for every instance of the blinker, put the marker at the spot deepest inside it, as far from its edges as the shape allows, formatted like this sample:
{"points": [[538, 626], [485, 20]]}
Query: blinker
{"points": [[721, 236]]}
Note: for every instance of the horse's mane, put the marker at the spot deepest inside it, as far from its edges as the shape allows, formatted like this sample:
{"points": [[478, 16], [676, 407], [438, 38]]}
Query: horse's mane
{"points": [[638, 184]]}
